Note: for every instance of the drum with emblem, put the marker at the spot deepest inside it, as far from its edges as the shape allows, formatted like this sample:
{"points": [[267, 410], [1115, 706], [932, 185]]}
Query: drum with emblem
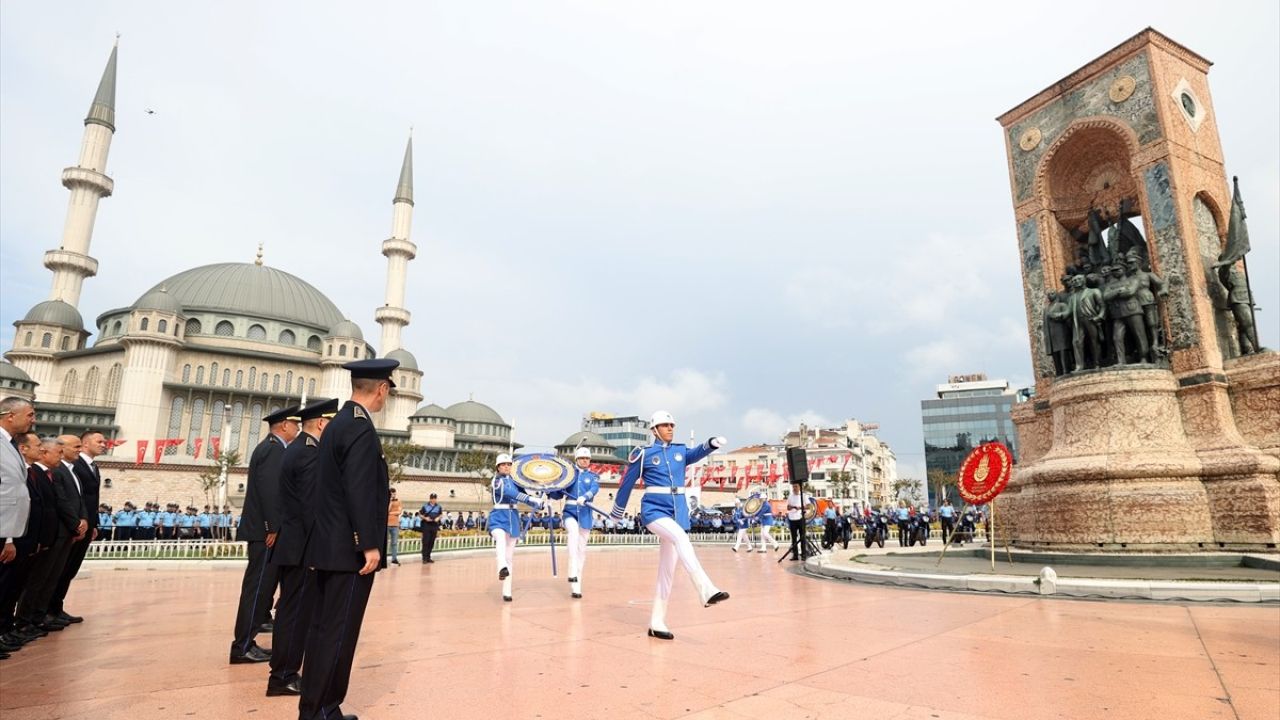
{"points": [[753, 506]]}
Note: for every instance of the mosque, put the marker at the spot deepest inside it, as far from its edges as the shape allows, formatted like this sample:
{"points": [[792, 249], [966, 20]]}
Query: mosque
{"points": [[194, 364]]}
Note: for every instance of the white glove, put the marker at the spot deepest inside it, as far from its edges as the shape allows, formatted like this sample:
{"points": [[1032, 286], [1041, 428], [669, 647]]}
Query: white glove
{"points": [[717, 442]]}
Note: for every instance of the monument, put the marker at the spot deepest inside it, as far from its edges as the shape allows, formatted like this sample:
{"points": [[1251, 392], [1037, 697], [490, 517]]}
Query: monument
{"points": [[1155, 424]]}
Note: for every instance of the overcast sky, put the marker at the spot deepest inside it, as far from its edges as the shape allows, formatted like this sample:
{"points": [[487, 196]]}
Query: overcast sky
{"points": [[744, 213]]}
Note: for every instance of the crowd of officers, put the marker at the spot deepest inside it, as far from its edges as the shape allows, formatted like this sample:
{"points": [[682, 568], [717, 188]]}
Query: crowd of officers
{"points": [[172, 523], [48, 488]]}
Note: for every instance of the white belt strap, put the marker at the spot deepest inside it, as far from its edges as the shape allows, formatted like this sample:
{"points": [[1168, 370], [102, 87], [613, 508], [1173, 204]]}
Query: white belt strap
{"points": [[508, 506]]}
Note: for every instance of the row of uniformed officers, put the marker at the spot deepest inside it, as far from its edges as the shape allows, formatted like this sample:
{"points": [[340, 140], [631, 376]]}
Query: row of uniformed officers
{"points": [[152, 523], [315, 519]]}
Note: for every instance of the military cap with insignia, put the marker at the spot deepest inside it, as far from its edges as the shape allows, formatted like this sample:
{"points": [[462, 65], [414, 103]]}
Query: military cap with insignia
{"points": [[373, 369], [289, 413], [319, 408]]}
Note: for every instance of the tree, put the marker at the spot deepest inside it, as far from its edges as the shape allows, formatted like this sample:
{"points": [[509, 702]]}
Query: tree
{"points": [[907, 489], [396, 455], [477, 463], [941, 481], [842, 483], [212, 479]]}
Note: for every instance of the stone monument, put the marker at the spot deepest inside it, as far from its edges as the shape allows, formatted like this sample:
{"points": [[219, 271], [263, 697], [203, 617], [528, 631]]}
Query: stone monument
{"points": [[1156, 420]]}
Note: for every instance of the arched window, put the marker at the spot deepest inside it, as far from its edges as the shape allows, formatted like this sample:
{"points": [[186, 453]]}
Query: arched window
{"points": [[186, 373], [255, 424], [262, 386], [216, 420], [311, 386], [200, 375], [237, 419], [257, 332], [224, 329], [329, 350], [287, 337], [239, 378], [288, 381], [313, 343], [301, 383], [66, 343], [115, 328], [197, 425], [213, 374], [275, 383], [253, 376], [342, 351], [69, 387], [90, 396], [46, 340], [113, 385], [146, 322], [175, 422], [30, 337], [194, 327], [226, 377], [162, 326]]}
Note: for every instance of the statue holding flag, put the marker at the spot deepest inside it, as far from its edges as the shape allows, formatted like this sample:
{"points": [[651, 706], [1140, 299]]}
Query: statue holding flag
{"points": [[1236, 282]]}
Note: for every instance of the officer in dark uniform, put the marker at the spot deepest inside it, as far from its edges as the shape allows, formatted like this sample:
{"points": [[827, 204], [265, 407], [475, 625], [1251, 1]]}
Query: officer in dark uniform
{"points": [[294, 610], [258, 526], [348, 539]]}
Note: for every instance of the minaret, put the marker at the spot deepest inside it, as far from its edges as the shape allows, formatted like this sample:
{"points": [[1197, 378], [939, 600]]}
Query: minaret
{"points": [[88, 184], [399, 251]]}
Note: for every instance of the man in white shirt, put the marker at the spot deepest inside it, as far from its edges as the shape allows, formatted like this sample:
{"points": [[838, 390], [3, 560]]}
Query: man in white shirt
{"points": [[795, 522], [16, 416]]}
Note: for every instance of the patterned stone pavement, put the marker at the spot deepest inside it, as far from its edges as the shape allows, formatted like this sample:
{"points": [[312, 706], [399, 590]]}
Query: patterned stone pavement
{"points": [[438, 642]]}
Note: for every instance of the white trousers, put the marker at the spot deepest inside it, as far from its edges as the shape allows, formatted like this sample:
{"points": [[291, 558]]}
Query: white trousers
{"points": [[674, 545], [742, 538], [766, 537], [504, 546], [576, 538]]}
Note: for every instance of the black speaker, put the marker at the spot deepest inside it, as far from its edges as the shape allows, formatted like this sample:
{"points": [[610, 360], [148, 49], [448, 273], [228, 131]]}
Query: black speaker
{"points": [[797, 465]]}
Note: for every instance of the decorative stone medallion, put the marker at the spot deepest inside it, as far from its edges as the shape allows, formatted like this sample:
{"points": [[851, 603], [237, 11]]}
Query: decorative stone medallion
{"points": [[1122, 88], [1030, 139]]}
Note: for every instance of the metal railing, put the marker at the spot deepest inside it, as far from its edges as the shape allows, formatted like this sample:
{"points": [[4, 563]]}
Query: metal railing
{"points": [[232, 550]]}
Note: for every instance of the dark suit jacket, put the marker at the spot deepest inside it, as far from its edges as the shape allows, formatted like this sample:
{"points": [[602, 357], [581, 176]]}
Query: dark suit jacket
{"points": [[42, 527], [71, 502], [89, 485], [297, 485], [261, 491], [352, 494]]}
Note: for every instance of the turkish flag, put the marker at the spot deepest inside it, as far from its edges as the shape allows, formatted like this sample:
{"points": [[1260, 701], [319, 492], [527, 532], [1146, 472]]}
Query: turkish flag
{"points": [[142, 451], [847, 458], [216, 444], [199, 444]]}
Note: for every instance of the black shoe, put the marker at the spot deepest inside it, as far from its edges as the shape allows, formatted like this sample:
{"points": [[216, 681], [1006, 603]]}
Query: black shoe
{"points": [[68, 618], [395, 562], [576, 596], [8, 647], [429, 560], [4, 656], [266, 627], [275, 688], [718, 597], [661, 634], [503, 574], [506, 598], [51, 627], [27, 632], [255, 654]]}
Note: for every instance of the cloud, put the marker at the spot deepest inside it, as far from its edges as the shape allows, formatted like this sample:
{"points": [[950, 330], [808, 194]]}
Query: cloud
{"points": [[765, 425]]}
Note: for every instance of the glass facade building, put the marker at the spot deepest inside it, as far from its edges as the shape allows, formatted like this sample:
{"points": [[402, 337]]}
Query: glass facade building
{"points": [[624, 432], [967, 412]]}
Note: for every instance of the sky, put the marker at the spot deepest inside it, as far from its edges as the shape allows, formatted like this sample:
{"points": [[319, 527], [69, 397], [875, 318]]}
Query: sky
{"points": [[748, 214]]}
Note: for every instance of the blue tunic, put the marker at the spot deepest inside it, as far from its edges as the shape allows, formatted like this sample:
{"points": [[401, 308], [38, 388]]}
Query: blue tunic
{"points": [[585, 486], [506, 492], [661, 465]]}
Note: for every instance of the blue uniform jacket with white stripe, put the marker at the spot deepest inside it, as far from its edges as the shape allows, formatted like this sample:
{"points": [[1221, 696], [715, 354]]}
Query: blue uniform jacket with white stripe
{"points": [[506, 492], [662, 466], [585, 486]]}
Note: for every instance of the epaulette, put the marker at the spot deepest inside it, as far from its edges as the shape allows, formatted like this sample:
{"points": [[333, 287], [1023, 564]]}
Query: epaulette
{"points": [[311, 442], [359, 412]]}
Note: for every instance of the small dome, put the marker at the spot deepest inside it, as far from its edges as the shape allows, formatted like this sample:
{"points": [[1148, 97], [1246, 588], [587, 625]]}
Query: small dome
{"points": [[406, 358], [346, 328], [586, 438], [431, 410], [55, 312], [9, 371], [159, 299], [472, 411]]}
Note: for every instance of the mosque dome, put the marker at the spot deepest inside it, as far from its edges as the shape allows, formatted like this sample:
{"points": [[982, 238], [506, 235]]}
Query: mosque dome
{"points": [[406, 358], [159, 299], [345, 328], [431, 411], [9, 371], [249, 289], [55, 312], [587, 439], [474, 412]]}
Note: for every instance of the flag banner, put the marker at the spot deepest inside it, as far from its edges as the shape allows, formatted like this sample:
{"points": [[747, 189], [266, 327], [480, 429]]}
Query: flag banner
{"points": [[199, 444], [142, 451]]}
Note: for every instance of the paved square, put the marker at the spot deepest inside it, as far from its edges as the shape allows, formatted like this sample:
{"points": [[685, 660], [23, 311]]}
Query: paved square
{"points": [[438, 642]]}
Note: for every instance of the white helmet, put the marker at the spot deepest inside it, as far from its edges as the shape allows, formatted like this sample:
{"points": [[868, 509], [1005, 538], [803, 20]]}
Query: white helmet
{"points": [[661, 417], [581, 453], [502, 459]]}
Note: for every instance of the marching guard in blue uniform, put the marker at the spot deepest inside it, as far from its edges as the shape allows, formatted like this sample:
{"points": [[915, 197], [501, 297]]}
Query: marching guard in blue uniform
{"points": [[741, 523], [665, 513], [505, 525], [577, 516], [766, 528]]}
